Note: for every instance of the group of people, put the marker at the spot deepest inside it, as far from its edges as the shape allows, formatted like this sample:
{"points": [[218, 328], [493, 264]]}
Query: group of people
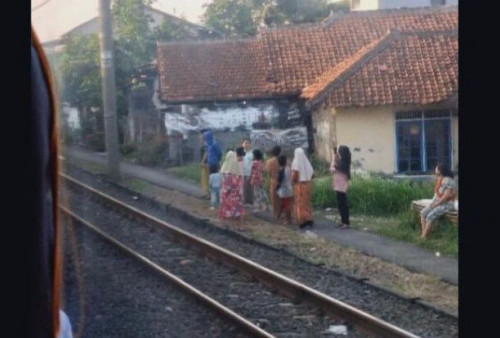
{"points": [[239, 182]]}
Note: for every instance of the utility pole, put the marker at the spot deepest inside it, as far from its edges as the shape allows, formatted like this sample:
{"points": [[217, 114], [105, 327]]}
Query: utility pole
{"points": [[108, 89]]}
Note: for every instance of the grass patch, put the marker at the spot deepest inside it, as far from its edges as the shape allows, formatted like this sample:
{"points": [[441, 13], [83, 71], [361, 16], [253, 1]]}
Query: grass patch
{"points": [[137, 185], [372, 195], [93, 167], [406, 227], [191, 172]]}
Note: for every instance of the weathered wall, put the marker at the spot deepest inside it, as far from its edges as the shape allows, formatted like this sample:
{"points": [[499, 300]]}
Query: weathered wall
{"points": [[323, 133], [231, 122], [369, 133]]}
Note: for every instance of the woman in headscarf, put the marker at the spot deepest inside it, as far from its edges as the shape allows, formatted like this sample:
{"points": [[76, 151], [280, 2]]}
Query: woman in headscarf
{"points": [[231, 205], [302, 173], [272, 168]]}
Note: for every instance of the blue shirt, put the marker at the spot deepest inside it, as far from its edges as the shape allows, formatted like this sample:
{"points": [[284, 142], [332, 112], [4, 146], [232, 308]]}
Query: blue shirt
{"points": [[248, 159], [215, 181]]}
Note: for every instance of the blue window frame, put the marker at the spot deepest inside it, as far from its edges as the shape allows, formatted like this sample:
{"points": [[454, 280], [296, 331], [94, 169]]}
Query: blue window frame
{"points": [[422, 140]]}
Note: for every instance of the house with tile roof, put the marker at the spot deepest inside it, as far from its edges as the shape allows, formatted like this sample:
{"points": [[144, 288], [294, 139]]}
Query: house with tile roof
{"points": [[383, 82]]}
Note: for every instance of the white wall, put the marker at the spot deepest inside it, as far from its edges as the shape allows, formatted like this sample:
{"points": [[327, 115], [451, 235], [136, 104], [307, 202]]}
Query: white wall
{"points": [[386, 4], [71, 116], [221, 117], [365, 5]]}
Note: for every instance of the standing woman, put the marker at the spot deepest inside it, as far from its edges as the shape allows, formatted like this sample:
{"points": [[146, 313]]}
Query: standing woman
{"points": [[302, 173], [231, 205], [341, 169], [272, 168], [442, 201]]}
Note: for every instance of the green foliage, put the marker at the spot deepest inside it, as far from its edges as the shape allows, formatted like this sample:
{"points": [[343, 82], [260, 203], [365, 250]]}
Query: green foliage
{"points": [[80, 72], [191, 172], [242, 17], [169, 31], [152, 153], [443, 237], [372, 196], [231, 17], [95, 141], [135, 45], [128, 149]]}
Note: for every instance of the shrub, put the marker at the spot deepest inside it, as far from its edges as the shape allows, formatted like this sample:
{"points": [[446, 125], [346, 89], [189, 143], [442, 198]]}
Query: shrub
{"points": [[127, 149], [153, 153], [95, 141], [371, 195]]}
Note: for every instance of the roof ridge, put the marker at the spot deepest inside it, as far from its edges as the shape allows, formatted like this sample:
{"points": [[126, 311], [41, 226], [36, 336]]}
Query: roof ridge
{"points": [[327, 81], [207, 41], [335, 16], [430, 33]]}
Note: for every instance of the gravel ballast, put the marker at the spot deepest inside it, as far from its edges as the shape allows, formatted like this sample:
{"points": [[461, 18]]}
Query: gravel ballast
{"points": [[413, 317]]}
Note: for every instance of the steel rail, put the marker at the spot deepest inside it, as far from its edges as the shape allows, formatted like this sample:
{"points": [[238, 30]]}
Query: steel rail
{"points": [[233, 316], [360, 319]]}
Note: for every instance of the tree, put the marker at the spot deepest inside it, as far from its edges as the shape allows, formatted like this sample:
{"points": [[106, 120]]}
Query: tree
{"points": [[231, 17], [135, 46], [240, 18]]}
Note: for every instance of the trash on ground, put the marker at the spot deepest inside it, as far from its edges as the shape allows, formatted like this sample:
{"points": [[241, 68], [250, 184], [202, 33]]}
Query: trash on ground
{"points": [[338, 329], [310, 234]]}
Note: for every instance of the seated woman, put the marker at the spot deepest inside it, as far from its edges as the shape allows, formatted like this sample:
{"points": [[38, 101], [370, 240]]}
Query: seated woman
{"points": [[443, 200]]}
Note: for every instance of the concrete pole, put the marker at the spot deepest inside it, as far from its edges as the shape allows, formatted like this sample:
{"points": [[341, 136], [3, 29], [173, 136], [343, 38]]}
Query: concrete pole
{"points": [[108, 89]]}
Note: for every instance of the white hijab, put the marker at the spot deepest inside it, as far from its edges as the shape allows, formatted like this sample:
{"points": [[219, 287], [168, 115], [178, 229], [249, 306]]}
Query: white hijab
{"points": [[230, 165], [301, 164]]}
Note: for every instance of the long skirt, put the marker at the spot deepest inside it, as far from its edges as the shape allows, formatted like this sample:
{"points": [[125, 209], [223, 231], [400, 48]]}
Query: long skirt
{"points": [[230, 197], [275, 199], [302, 202], [260, 201]]}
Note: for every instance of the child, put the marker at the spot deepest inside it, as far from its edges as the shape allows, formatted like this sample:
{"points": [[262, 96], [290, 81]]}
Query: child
{"points": [[214, 184], [260, 202], [284, 190]]}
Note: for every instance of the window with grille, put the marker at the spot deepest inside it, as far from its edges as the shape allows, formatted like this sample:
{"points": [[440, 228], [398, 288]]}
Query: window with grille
{"points": [[423, 139]]}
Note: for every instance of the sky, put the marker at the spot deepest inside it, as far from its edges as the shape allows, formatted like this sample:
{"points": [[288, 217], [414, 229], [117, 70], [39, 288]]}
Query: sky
{"points": [[52, 18]]}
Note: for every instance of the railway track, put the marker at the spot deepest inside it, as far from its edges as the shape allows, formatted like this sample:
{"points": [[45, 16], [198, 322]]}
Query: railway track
{"points": [[313, 306]]}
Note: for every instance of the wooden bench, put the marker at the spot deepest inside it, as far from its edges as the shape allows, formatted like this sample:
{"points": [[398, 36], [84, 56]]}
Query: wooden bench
{"points": [[418, 205]]}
